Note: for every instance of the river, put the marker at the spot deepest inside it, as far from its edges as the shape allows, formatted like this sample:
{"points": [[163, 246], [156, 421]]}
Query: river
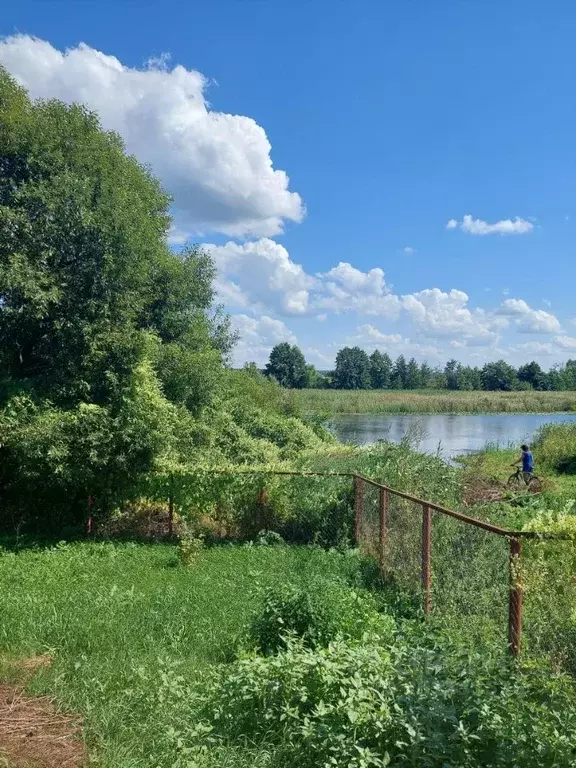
{"points": [[451, 434]]}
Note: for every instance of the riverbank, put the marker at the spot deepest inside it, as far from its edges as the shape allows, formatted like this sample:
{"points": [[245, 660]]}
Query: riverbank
{"points": [[340, 401]]}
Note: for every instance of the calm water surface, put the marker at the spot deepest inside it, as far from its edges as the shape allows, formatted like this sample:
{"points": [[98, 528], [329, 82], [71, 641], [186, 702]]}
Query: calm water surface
{"points": [[453, 434]]}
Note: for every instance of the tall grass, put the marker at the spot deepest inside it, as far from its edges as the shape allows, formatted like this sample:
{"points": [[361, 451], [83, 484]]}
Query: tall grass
{"points": [[125, 625], [333, 402]]}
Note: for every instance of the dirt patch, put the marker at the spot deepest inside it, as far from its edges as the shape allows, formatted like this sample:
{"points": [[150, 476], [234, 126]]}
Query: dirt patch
{"points": [[33, 734]]}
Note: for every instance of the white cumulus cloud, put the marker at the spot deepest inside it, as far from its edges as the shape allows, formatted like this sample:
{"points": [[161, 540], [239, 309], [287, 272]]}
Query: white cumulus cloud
{"points": [[261, 273], [529, 320], [257, 337], [216, 165], [345, 288], [440, 313], [566, 342], [516, 226]]}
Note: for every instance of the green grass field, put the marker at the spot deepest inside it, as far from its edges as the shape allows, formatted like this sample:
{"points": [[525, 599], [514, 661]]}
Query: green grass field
{"points": [[146, 650], [331, 402], [125, 624]]}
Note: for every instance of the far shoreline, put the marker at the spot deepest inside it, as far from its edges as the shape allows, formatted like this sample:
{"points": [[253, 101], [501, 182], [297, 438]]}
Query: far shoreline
{"points": [[329, 403]]}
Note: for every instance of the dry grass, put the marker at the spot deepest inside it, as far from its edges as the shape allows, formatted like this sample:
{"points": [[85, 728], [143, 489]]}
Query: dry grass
{"points": [[33, 734]]}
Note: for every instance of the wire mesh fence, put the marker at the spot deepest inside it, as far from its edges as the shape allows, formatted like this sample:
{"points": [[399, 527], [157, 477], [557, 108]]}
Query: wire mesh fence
{"points": [[486, 582]]}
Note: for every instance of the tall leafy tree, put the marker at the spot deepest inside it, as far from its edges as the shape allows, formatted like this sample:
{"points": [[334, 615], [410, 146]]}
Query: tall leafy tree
{"points": [[426, 376], [412, 380], [399, 373], [499, 376], [532, 374], [352, 369], [380, 370], [451, 370], [109, 342], [288, 366]]}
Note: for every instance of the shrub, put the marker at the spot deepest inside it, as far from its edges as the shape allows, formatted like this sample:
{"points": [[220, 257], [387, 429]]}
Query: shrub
{"points": [[189, 547], [421, 707], [317, 614]]}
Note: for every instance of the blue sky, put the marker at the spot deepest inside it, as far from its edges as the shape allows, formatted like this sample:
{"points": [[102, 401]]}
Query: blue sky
{"points": [[320, 149]]}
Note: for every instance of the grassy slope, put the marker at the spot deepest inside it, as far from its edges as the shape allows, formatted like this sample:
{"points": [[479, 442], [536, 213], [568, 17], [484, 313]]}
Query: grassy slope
{"points": [[124, 621], [323, 401]]}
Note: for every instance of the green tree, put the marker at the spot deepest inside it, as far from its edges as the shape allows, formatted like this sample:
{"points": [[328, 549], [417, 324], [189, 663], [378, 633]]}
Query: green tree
{"points": [[412, 380], [451, 373], [499, 376], [380, 370], [109, 343], [532, 374], [399, 373], [426, 376], [288, 366], [352, 369]]}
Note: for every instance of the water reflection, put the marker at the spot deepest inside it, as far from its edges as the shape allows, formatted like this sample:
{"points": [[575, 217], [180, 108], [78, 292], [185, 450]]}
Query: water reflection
{"points": [[452, 434]]}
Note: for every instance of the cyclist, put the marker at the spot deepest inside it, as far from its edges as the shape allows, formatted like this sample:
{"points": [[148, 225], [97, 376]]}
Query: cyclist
{"points": [[527, 461]]}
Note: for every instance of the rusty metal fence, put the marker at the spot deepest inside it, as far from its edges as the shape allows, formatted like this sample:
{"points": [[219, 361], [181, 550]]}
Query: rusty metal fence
{"points": [[467, 573]]}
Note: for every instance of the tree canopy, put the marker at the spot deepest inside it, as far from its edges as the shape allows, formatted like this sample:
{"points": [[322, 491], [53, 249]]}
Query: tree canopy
{"points": [[109, 342], [288, 366]]}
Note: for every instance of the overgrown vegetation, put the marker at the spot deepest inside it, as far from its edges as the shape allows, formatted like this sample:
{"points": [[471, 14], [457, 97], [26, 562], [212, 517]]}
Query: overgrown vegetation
{"points": [[262, 637], [333, 402], [112, 352], [146, 650]]}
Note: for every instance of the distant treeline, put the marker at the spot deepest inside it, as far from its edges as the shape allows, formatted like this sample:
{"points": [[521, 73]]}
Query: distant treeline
{"points": [[355, 369]]}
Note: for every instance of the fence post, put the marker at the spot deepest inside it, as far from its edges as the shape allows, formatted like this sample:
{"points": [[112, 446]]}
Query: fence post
{"points": [[358, 505], [383, 526], [89, 520], [426, 556], [515, 599], [171, 508]]}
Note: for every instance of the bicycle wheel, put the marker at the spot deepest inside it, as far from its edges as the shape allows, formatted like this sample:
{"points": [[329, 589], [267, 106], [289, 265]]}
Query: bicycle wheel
{"points": [[534, 484], [515, 481]]}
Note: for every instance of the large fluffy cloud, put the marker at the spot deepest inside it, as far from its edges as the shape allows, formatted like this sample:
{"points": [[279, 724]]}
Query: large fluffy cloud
{"points": [[529, 320], [446, 313], [345, 288], [261, 273], [216, 165]]}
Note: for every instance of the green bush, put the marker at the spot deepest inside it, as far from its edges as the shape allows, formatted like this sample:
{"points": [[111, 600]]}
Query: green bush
{"points": [[317, 613], [555, 447], [421, 707]]}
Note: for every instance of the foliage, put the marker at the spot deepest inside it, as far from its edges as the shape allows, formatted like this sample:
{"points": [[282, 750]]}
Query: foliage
{"points": [[288, 366], [189, 547], [380, 370], [109, 344], [498, 376], [555, 447], [352, 369], [422, 705], [547, 574], [132, 638], [318, 613]]}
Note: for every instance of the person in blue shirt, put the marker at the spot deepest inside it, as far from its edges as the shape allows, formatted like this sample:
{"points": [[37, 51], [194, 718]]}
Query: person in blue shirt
{"points": [[527, 461]]}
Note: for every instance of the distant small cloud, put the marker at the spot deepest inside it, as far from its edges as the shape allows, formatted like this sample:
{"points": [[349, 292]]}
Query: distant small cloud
{"points": [[505, 291], [408, 250], [547, 302], [566, 217], [516, 226]]}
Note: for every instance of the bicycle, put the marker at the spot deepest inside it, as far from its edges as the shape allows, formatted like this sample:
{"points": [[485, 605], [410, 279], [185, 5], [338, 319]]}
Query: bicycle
{"points": [[533, 483]]}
